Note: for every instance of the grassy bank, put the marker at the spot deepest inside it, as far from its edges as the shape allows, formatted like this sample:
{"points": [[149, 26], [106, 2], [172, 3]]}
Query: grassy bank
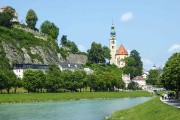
{"points": [[151, 110], [31, 97]]}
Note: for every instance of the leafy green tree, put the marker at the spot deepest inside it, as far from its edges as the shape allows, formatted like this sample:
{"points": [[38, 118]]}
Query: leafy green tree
{"points": [[66, 76], [133, 65], [53, 79], [79, 76], [17, 83], [50, 29], [153, 77], [31, 19], [6, 16], [98, 54], [63, 39], [3, 80], [133, 86], [28, 80], [72, 46], [11, 78], [171, 76], [137, 61], [91, 81], [39, 82]]}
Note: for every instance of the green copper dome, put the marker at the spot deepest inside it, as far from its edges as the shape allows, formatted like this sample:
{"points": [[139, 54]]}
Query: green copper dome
{"points": [[113, 32]]}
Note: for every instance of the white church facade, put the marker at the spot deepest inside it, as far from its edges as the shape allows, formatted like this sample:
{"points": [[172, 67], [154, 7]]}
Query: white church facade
{"points": [[117, 55]]}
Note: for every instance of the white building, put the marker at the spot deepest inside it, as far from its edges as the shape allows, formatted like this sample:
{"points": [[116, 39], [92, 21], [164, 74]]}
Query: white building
{"points": [[140, 81], [126, 79], [69, 66], [19, 69]]}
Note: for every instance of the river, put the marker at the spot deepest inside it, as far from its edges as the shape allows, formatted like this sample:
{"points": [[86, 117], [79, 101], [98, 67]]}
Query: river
{"points": [[96, 109]]}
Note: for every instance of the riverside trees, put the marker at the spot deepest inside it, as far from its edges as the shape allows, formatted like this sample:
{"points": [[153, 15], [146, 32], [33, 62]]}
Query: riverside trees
{"points": [[106, 78], [171, 74]]}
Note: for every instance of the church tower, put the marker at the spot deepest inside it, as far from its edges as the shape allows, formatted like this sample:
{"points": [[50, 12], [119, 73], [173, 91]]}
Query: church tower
{"points": [[113, 45], [117, 55]]}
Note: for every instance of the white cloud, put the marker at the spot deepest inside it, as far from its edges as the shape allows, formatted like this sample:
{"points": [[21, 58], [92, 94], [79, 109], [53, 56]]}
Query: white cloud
{"points": [[127, 16], [174, 48], [82, 48]]}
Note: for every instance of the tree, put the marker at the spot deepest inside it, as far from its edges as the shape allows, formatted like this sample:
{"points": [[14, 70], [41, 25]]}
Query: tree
{"points": [[78, 77], [171, 76], [91, 81], [17, 83], [98, 53], [11, 78], [72, 46], [137, 61], [53, 79], [6, 16], [153, 77], [3, 80], [66, 76], [133, 86], [39, 81], [133, 65], [63, 39], [50, 28], [31, 19], [106, 52], [28, 80]]}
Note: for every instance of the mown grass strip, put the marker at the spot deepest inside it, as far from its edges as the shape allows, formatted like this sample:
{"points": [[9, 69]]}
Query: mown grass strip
{"points": [[32, 97], [151, 110]]}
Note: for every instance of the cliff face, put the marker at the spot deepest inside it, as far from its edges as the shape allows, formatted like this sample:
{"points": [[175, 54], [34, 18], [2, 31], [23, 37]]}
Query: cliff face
{"points": [[17, 46]]}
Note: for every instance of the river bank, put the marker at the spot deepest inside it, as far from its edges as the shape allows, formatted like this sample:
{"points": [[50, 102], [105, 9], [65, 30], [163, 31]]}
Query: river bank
{"points": [[37, 97], [151, 110]]}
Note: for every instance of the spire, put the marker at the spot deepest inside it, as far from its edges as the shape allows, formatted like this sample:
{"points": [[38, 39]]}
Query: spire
{"points": [[113, 32]]}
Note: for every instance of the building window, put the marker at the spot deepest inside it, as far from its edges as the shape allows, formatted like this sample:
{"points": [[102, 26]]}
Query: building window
{"points": [[112, 47], [113, 42]]}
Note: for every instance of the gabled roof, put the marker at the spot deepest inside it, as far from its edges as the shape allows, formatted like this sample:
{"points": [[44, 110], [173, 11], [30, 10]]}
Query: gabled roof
{"points": [[138, 78], [3, 7], [121, 51]]}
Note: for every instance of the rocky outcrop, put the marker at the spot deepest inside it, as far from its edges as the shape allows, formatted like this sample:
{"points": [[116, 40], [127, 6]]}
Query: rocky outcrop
{"points": [[38, 55], [12, 53], [21, 46], [76, 58]]}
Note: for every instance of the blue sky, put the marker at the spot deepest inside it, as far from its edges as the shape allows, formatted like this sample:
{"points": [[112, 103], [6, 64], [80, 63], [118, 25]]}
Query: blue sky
{"points": [[151, 27]]}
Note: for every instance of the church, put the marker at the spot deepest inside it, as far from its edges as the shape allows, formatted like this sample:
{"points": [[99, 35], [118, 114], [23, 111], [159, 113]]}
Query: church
{"points": [[117, 55]]}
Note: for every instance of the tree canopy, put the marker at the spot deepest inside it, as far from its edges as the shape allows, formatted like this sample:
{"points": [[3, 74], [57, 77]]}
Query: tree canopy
{"points": [[133, 65], [50, 28], [31, 19], [171, 73], [6, 16], [63, 39], [153, 77], [98, 53]]}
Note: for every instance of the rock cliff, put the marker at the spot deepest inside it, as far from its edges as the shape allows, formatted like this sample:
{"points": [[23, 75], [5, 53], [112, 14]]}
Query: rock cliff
{"points": [[17, 46]]}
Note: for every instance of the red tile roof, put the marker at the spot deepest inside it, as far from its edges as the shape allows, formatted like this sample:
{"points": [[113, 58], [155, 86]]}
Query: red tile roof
{"points": [[3, 7], [121, 51]]}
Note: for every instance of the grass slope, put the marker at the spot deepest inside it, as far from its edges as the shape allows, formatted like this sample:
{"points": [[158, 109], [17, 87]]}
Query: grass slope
{"points": [[11, 98], [151, 110]]}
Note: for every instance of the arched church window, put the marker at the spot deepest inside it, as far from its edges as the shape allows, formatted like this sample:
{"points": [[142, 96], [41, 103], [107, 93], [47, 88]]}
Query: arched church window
{"points": [[112, 47], [113, 42]]}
